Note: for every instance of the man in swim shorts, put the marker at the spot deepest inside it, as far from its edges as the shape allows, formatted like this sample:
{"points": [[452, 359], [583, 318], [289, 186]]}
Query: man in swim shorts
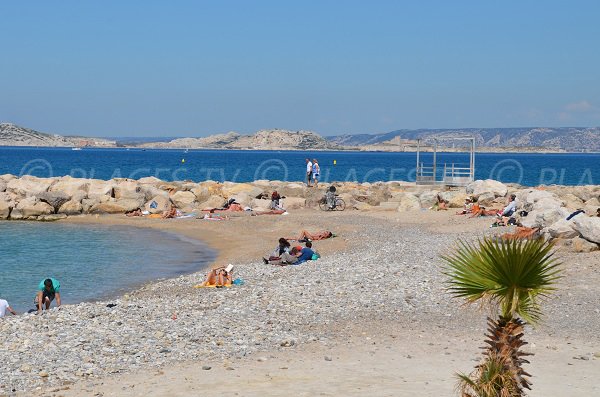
{"points": [[47, 291]]}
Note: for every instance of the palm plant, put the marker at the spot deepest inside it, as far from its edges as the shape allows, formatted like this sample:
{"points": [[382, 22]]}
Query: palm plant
{"points": [[510, 277]]}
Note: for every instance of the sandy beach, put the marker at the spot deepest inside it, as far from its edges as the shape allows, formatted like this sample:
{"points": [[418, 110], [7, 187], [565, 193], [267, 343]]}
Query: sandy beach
{"points": [[370, 317]]}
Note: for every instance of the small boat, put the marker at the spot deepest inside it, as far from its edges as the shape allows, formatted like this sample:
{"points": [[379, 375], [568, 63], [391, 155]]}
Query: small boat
{"points": [[75, 148]]}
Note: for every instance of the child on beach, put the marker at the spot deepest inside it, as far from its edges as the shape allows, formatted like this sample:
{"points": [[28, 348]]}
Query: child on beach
{"points": [[5, 307]]}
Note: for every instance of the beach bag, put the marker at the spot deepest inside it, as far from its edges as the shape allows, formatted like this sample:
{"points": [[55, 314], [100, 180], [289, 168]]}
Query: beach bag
{"points": [[315, 256]]}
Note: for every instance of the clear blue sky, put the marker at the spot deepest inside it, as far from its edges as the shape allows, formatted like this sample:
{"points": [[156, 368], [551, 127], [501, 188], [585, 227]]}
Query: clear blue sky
{"points": [[194, 68]]}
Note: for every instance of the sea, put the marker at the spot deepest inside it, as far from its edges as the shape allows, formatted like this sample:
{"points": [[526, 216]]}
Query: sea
{"points": [[527, 169], [91, 262], [97, 262]]}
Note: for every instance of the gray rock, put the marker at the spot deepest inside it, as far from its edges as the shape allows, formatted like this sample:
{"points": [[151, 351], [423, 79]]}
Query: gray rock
{"points": [[55, 199], [588, 227]]}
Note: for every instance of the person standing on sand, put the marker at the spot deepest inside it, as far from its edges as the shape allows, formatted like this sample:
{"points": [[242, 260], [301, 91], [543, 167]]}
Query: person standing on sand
{"points": [[309, 169], [5, 307], [316, 172], [47, 291]]}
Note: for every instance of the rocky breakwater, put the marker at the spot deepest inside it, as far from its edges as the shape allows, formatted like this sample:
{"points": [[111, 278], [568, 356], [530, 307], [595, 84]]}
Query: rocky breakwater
{"points": [[548, 207]]}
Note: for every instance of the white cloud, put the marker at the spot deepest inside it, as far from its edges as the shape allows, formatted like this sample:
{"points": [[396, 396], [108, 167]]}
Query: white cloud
{"points": [[581, 107]]}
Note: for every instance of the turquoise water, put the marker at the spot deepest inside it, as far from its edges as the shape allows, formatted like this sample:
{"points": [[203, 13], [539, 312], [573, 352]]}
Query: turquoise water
{"points": [[91, 262]]}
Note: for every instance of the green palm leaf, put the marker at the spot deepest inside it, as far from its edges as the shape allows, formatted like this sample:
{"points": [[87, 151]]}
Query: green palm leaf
{"points": [[514, 274]]}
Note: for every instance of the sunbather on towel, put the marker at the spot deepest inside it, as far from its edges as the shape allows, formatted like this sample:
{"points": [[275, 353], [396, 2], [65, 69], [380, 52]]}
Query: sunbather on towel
{"points": [[219, 277], [304, 235]]}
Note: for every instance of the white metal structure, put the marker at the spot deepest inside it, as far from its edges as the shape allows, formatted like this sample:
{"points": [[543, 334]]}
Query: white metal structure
{"points": [[453, 174]]}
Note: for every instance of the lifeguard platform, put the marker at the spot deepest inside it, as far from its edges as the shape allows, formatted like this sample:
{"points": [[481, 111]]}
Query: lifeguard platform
{"points": [[446, 173]]}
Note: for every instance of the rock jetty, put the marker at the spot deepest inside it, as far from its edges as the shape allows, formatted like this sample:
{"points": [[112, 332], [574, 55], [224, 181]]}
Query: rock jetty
{"points": [[547, 207]]}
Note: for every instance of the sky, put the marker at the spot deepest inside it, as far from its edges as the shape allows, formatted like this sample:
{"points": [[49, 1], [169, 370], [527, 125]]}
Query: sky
{"points": [[196, 68]]}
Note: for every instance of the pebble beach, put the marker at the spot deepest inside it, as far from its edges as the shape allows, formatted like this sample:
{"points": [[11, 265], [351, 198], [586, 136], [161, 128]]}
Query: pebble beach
{"points": [[382, 271]]}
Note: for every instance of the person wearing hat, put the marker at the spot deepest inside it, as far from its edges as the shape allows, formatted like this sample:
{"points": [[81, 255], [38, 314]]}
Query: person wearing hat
{"points": [[467, 207], [47, 291], [5, 307]]}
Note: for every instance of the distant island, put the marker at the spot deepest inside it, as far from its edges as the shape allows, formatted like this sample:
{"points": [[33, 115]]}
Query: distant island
{"points": [[562, 139]]}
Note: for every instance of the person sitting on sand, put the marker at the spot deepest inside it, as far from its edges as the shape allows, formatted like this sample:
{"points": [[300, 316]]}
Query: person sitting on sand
{"points": [[5, 307], [219, 277], [286, 258], [306, 254], [304, 235], [275, 201], [467, 207], [508, 211], [47, 291], [283, 246]]}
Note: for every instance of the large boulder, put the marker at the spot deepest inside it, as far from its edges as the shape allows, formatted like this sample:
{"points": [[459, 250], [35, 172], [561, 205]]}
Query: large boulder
{"points": [[98, 188], [290, 203], [55, 199], [591, 206], [212, 202], [571, 201], [202, 193], [183, 199], [479, 187], [234, 189], [149, 180], [455, 199], [586, 193], [291, 189], [486, 199], [129, 189], [589, 228], [71, 186], [562, 229], [409, 202], [30, 208], [116, 206], [582, 245], [428, 198], [544, 218], [158, 204], [5, 208], [71, 207], [27, 185]]}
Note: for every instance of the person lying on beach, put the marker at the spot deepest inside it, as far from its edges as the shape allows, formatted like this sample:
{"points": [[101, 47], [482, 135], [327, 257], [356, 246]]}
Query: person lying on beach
{"points": [[219, 277], [522, 233], [269, 212], [306, 236], [211, 216], [135, 212], [283, 246], [47, 291], [478, 210], [171, 213], [440, 205], [286, 258], [5, 307]]}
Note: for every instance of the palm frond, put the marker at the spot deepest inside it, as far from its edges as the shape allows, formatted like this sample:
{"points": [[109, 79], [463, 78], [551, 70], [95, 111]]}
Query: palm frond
{"points": [[511, 273]]}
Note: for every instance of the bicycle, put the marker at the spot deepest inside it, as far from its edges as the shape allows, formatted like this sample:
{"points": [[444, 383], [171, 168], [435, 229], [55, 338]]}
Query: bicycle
{"points": [[338, 205]]}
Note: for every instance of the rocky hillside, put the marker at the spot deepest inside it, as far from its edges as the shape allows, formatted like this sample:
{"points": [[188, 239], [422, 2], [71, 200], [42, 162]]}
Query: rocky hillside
{"points": [[13, 135], [262, 140], [565, 138]]}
